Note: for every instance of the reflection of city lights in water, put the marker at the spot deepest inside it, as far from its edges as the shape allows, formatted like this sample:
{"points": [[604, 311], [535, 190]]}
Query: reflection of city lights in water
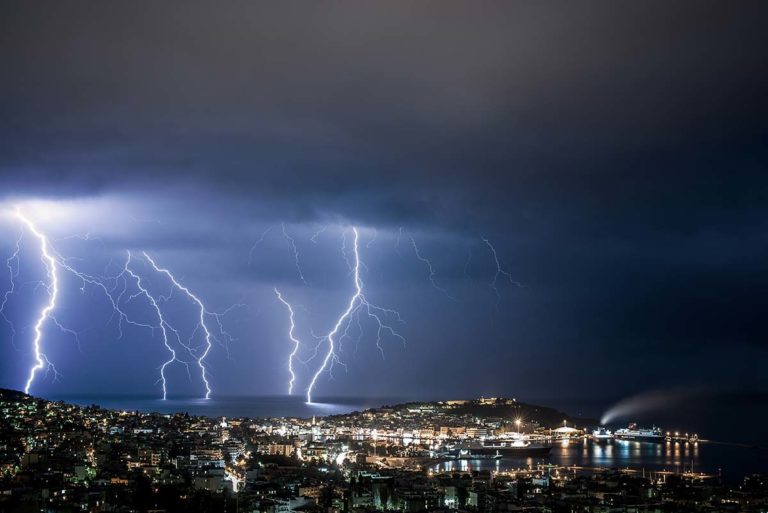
{"points": [[615, 454]]}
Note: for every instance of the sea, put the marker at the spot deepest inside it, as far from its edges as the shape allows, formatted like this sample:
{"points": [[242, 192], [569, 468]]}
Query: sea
{"points": [[733, 431]]}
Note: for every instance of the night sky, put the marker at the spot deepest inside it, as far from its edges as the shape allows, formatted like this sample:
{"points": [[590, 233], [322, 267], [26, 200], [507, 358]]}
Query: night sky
{"points": [[614, 153]]}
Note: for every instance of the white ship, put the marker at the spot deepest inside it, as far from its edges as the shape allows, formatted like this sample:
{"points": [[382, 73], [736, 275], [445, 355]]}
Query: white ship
{"points": [[633, 432], [602, 435]]}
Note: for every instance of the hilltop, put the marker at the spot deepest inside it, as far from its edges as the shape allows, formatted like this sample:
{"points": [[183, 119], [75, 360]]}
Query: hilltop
{"points": [[485, 409]]}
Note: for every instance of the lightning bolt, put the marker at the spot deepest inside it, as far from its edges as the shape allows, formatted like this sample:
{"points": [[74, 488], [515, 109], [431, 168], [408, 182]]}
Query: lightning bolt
{"points": [[296, 342], [162, 324], [373, 239], [12, 262], [344, 253], [41, 360], [318, 233], [258, 241], [101, 283], [357, 303], [116, 289], [295, 251], [108, 285], [499, 272], [208, 336], [431, 269]]}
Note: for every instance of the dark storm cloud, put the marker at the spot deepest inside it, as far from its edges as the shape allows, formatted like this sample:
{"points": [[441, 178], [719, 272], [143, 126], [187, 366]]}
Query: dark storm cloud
{"points": [[614, 151]]}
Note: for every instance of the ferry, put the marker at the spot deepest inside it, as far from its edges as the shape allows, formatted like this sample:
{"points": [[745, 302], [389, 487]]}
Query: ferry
{"points": [[469, 454], [518, 448], [632, 432], [602, 434]]}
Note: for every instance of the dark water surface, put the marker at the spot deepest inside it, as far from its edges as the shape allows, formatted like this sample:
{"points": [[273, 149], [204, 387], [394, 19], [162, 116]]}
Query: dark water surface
{"points": [[731, 463]]}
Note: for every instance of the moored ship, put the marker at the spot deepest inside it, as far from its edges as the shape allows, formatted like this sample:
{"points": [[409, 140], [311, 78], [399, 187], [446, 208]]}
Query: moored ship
{"points": [[602, 434], [469, 454], [510, 448], [632, 432]]}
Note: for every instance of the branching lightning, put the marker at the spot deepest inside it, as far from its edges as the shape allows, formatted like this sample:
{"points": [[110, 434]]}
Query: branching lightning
{"points": [[101, 282], [258, 241], [319, 232], [13, 271], [116, 289], [499, 272], [131, 283], [162, 324], [109, 285], [208, 336], [295, 251], [296, 341], [357, 303], [431, 269], [41, 360]]}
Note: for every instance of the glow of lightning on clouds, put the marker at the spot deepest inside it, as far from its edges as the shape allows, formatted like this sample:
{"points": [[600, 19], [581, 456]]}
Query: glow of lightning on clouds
{"points": [[296, 341], [431, 269], [295, 251], [357, 303], [499, 272]]}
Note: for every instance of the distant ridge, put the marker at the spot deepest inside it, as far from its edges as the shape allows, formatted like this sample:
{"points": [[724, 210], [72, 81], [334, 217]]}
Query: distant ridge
{"points": [[481, 408], [7, 393]]}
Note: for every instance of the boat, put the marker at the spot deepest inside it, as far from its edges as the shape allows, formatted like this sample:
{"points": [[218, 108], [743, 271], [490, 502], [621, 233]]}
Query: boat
{"points": [[518, 448], [602, 434], [469, 454], [632, 432]]}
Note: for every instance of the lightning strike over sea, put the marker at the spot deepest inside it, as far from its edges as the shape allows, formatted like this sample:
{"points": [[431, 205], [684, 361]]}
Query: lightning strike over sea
{"points": [[162, 324], [108, 285], [292, 337], [41, 360], [357, 303], [208, 336]]}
